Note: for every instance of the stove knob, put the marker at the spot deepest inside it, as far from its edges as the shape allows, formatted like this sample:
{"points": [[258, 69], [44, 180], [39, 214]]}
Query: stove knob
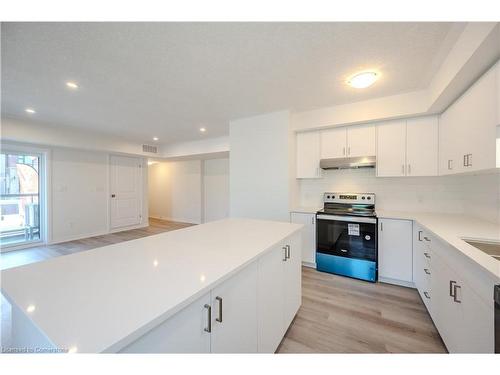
{"points": [[328, 197], [369, 198], [363, 198], [333, 196]]}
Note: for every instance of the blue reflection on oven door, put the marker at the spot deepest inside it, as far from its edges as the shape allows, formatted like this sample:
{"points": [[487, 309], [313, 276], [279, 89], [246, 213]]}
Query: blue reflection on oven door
{"points": [[356, 268]]}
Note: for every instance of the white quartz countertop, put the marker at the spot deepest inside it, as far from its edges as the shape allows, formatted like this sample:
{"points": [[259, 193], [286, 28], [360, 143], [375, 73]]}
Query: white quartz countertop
{"points": [[103, 299], [452, 228], [306, 210]]}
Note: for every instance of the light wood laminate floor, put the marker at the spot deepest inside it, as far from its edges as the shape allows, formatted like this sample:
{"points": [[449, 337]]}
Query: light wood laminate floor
{"points": [[343, 315], [338, 314]]}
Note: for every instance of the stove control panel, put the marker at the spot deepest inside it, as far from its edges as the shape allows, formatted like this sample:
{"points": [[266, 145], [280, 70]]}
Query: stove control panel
{"points": [[350, 198]]}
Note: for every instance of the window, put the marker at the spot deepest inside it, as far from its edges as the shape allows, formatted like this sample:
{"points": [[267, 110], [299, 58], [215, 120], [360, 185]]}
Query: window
{"points": [[20, 204]]}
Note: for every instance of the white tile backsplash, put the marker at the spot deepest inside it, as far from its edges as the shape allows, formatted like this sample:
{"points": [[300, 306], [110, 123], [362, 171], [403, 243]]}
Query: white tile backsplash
{"points": [[478, 195]]}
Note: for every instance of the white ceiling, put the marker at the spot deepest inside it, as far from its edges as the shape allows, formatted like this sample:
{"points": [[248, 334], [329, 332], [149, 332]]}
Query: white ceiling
{"points": [[141, 80]]}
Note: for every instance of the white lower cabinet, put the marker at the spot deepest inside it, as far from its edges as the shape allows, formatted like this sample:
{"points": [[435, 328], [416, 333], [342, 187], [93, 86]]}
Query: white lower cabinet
{"points": [[247, 313], [279, 293], [308, 236], [182, 333], [463, 318], [395, 258], [234, 313]]}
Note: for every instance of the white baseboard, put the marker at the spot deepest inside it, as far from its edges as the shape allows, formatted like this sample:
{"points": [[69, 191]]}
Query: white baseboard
{"points": [[386, 280], [309, 264]]}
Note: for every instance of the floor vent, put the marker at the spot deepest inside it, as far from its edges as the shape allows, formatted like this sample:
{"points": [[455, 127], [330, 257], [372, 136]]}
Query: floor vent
{"points": [[149, 148]]}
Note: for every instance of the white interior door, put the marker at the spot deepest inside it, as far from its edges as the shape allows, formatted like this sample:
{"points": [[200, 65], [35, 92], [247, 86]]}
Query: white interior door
{"points": [[126, 191]]}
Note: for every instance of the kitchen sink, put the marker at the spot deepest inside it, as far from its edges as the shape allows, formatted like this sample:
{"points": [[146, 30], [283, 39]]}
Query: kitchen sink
{"points": [[491, 248]]}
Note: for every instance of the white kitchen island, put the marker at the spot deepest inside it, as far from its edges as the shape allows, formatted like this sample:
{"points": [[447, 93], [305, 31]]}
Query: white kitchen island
{"points": [[228, 286]]}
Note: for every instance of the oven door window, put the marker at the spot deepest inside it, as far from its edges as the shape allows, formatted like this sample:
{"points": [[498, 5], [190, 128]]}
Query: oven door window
{"points": [[347, 239]]}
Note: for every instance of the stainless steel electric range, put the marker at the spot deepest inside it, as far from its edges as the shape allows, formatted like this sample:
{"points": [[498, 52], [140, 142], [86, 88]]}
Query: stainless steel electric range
{"points": [[346, 236]]}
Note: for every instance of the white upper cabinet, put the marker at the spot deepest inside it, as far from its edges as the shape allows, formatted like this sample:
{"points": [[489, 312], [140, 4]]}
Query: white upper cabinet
{"points": [[391, 149], [467, 130], [334, 143], [360, 140], [408, 147], [308, 155], [422, 146]]}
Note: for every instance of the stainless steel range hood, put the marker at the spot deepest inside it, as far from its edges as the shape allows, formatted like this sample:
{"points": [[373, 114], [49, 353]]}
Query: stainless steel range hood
{"points": [[347, 163]]}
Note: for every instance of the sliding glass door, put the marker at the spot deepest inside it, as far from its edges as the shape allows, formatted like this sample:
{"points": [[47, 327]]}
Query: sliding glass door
{"points": [[20, 198]]}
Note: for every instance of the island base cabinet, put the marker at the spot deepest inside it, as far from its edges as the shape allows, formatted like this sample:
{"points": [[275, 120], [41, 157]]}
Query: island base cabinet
{"points": [[234, 313], [293, 280], [182, 333], [279, 292]]}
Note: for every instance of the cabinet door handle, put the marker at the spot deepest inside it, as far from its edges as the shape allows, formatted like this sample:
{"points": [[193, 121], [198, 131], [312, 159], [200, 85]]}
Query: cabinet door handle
{"points": [[349, 150], [403, 169], [450, 164], [427, 295], [381, 226], [427, 255], [219, 318], [427, 239], [426, 270], [409, 168], [420, 235], [208, 328], [285, 258], [469, 160], [465, 160], [312, 220], [455, 298], [287, 251], [343, 151], [452, 283]]}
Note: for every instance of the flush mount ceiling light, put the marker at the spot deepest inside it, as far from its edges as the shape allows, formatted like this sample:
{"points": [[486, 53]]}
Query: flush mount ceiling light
{"points": [[30, 110], [203, 130], [72, 85], [155, 138], [363, 80]]}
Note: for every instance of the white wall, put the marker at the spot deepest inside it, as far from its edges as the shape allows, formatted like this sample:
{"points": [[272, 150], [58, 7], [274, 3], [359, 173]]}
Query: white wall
{"points": [[477, 195], [215, 189], [260, 166], [175, 191]]}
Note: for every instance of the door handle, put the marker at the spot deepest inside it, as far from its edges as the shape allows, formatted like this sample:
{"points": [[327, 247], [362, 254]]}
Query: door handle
{"points": [[113, 195], [450, 164], [409, 168], [219, 318], [287, 251], [452, 283], [285, 258], [465, 160], [455, 299], [427, 295], [403, 169], [469, 160], [343, 151], [420, 235], [208, 328]]}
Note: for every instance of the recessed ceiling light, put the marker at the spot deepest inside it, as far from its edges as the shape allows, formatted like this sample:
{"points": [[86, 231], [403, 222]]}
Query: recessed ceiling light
{"points": [[363, 80], [203, 130], [155, 138], [72, 85], [30, 110]]}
